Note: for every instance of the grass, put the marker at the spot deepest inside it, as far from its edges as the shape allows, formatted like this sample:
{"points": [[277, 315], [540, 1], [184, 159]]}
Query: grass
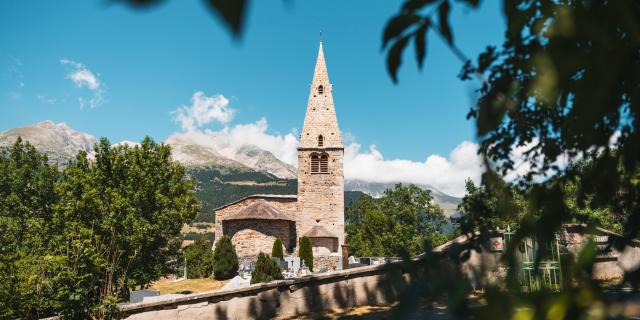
{"points": [[166, 286]]}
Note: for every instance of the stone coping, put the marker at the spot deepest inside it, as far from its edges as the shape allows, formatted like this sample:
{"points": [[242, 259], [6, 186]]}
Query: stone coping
{"points": [[223, 295]]}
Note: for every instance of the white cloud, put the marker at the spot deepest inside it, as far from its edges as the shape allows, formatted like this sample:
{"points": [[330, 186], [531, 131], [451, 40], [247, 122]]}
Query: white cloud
{"points": [[203, 110], [445, 174], [228, 140], [82, 77]]}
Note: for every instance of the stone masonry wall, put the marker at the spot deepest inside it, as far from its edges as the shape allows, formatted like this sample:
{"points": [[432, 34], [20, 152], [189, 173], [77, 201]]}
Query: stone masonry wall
{"points": [[322, 263], [321, 196], [251, 237], [371, 285], [285, 205], [324, 246]]}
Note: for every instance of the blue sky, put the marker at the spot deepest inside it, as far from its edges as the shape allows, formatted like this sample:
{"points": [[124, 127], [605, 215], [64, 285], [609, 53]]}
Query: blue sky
{"points": [[151, 62]]}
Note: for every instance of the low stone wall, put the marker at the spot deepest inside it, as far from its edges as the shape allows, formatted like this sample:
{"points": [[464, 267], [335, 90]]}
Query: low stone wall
{"points": [[370, 285], [327, 263]]}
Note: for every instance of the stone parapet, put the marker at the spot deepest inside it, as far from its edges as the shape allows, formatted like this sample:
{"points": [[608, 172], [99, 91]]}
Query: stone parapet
{"points": [[370, 285]]}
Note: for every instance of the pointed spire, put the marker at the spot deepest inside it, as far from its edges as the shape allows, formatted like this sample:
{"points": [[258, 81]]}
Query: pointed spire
{"points": [[320, 119], [320, 74]]}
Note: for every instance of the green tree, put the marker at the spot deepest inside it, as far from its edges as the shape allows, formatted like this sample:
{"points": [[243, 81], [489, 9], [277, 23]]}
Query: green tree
{"points": [[305, 252], [131, 203], [225, 259], [27, 198], [277, 251], [266, 270], [398, 222], [88, 234], [484, 209], [199, 259]]}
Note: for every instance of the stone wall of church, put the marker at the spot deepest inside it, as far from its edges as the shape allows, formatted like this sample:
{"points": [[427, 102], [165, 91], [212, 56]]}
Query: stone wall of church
{"points": [[324, 246], [321, 195], [251, 237], [263, 232]]}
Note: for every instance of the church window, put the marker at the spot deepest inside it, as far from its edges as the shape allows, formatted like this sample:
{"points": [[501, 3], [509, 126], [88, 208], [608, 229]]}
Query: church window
{"points": [[320, 141], [315, 163], [320, 163], [320, 89], [324, 163]]}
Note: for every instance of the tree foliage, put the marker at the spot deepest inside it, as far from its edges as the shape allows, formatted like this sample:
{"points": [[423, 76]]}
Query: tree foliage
{"points": [[563, 87], [266, 270], [397, 223], [87, 234], [277, 251], [305, 252], [225, 259], [199, 259]]}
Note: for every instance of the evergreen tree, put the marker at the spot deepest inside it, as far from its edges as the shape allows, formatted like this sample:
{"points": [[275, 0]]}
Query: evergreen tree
{"points": [[277, 252], [266, 270], [305, 252], [225, 259], [199, 259]]}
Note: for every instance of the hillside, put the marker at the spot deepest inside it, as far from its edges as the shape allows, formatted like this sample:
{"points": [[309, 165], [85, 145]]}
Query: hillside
{"points": [[218, 186], [224, 173]]}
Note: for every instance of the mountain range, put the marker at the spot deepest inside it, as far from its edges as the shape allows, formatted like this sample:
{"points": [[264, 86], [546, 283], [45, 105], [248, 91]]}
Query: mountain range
{"points": [[61, 144]]}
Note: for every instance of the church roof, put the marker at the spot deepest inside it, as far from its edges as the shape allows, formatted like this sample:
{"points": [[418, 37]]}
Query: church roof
{"points": [[261, 210], [260, 196], [319, 232]]}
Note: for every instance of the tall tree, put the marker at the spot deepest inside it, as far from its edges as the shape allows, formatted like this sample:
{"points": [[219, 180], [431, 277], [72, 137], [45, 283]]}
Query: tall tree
{"points": [[27, 199], [82, 237], [397, 223], [130, 203]]}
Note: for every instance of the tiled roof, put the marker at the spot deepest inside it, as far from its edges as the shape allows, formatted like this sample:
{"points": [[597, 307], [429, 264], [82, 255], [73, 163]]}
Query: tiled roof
{"points": [[261, 210], [260, 196]]}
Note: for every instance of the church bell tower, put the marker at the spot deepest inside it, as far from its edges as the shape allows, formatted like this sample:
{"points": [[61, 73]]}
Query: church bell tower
{"points": [[320, 168]]}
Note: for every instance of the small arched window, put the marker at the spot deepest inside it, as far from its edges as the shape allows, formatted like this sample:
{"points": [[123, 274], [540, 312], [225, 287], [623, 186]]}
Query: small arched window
{"points": [[315, 163], [320, 141], [320, 89], [324, 163]]}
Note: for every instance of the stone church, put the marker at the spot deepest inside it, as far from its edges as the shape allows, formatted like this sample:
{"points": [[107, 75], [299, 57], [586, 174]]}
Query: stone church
{"points": [[317, 211]]}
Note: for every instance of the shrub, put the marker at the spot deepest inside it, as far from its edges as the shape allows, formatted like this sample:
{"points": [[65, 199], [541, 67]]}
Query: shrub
{"points": [[199, 258], [305, 252], [266, 270], [225, 259], [277, 252]]}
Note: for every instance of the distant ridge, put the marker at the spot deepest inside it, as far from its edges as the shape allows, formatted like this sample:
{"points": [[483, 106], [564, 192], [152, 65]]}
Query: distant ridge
{"points": [[61, 144], [376, 189], [247, 162]]}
